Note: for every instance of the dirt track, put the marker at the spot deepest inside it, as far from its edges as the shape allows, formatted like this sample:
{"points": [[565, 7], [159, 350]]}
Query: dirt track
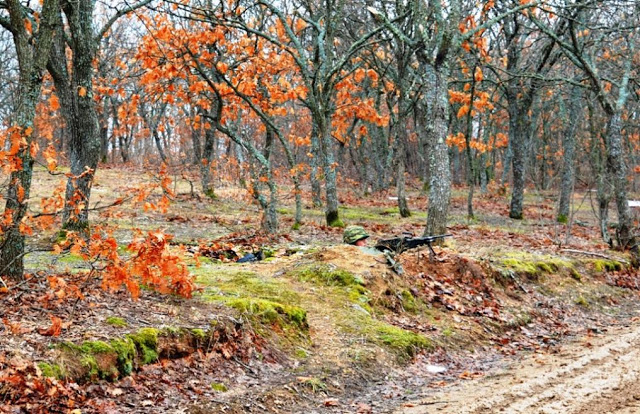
{"points": [[595, 375]]}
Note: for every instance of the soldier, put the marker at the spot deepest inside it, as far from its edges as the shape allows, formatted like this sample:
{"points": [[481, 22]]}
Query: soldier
{"points": [[355, 235]]}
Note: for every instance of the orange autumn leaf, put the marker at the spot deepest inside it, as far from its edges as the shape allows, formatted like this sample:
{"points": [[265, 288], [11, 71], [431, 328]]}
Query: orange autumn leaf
{"points": [[478, 76], [55, 329], [54, 103], [222, 67], [82, 91], [20, 194]]}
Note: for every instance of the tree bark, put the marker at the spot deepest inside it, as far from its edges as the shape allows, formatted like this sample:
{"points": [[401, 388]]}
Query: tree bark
{"points": [[519, 127], [618, 168], [316, 186], [438, 153], [568, 156], [332, 215], [32, 56]]}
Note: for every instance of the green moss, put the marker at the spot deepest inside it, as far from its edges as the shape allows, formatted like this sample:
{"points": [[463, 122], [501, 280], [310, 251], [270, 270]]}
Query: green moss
{"points": [[218, 386], [314, 384], [581, 301], [546, 267], [528, 268], [296, 226], [270, 312], [407, 342], [348, 283], [126, 351], [146, 342], [602, 265], [51, 370], [575, 274], [61, 236], [333, 219], [328, 276], [221, 283], [199, 334], [408, 301], [448, 331], [268, 253], [96, 347], [301, 353], [116, 321], [70, 258], [536, 265], [562, 219], [211, 194]]}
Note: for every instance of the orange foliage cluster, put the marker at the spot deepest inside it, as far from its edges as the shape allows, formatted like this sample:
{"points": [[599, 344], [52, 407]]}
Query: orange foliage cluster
{"points": [[151, 263]]}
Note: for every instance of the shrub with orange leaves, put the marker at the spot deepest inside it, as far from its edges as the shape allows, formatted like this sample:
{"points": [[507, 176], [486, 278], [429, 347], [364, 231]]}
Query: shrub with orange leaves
{"points": [[151, 264]]}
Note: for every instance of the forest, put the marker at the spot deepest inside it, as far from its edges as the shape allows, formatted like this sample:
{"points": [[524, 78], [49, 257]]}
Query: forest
{"points": [[148, 146]]}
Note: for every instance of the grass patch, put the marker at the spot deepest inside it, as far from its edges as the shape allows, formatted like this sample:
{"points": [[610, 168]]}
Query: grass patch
{"points": [[341, 292], [346, 282], [264, 301]]}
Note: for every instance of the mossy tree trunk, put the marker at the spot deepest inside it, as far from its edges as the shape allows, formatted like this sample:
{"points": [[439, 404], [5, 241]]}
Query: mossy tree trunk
{"points": [[32, 53], [75, 91], [331, 212], [207, 156]]}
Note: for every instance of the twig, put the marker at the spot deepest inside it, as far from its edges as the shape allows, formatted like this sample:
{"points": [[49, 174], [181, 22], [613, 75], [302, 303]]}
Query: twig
{"points": [[593, 254], [3, 284]]}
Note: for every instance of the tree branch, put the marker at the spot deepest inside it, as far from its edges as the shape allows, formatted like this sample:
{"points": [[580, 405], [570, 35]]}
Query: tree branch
{"points": [[118, 15]]}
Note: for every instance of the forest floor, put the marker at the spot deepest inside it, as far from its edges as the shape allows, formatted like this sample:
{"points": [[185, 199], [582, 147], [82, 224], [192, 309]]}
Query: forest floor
{"points": [[520, 316]]}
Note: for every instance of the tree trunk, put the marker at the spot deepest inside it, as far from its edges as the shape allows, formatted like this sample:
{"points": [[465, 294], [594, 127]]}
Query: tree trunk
{"points": [[330, 177], [32, 58], [519, 127], [208, 152], [568, 155], [618, 169], [75, 92], [401, 136], [438, 154], [316, 186], [403, 207]]}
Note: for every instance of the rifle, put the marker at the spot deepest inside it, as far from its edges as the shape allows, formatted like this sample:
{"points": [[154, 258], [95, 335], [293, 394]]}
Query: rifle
{"points": [[407, 241]]}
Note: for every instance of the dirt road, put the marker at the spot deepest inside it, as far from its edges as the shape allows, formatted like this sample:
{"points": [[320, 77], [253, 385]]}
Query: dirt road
{"points": [[599, 374]]}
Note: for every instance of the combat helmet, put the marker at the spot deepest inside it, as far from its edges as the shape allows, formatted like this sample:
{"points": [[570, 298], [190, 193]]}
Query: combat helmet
{"points": [[354, 233]]}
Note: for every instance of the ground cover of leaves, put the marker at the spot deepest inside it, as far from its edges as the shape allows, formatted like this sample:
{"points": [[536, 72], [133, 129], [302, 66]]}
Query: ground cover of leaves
{"points": [[497, 289]]}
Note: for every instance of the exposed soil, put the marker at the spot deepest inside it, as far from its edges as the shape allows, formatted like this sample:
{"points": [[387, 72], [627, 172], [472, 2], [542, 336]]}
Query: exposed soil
{"points": [[595, 374]]}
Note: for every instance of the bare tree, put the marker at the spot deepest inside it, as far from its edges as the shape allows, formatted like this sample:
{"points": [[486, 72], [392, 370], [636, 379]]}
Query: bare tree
{"points": [[32, 40]]}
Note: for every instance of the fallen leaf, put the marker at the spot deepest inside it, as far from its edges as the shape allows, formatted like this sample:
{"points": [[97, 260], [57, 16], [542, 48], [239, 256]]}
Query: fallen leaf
{"points": [[331, 402], [55, 329]]}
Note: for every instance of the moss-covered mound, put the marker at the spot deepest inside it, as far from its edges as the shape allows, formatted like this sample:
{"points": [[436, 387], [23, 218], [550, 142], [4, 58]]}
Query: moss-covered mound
{"points": [[93, 360], [262, 300]]}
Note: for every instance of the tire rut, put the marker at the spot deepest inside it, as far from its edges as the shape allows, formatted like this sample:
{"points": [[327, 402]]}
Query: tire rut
{"points": [[562, 383]]}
